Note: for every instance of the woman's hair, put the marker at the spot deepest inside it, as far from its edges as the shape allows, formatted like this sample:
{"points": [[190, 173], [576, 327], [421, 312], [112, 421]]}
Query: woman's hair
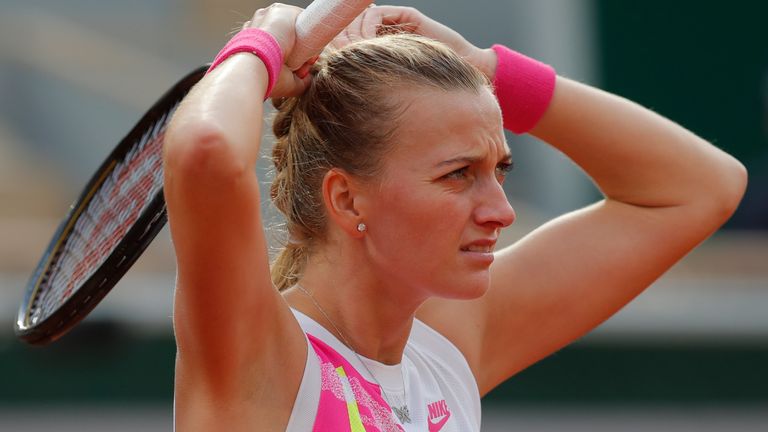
{"points": [[346, 119]]}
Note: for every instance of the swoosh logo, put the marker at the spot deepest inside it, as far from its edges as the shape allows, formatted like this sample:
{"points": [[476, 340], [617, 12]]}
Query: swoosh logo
{"points": [[435, 426]]}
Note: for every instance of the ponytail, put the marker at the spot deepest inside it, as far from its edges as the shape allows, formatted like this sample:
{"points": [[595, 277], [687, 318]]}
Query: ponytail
{"points": [[288, 266]]}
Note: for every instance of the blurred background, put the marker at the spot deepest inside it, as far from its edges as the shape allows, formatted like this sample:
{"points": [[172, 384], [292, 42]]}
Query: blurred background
{"points": [[691, 353]]}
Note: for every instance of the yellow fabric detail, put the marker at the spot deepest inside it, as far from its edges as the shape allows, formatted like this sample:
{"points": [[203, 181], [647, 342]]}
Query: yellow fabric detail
{"points": [[355, 422]]}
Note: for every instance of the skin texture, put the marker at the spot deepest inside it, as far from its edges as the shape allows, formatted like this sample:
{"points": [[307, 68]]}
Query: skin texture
{"points": [[241, 354]]}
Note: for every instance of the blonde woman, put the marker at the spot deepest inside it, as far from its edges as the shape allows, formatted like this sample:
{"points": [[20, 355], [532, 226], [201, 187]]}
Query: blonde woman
{"points": [[391, 308]]}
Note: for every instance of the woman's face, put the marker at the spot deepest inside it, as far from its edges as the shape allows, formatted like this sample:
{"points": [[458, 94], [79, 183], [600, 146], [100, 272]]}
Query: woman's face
{"points": [[436, 212]]}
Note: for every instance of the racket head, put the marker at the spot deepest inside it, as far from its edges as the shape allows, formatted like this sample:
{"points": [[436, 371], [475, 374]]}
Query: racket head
{"points": [[115, 218]]}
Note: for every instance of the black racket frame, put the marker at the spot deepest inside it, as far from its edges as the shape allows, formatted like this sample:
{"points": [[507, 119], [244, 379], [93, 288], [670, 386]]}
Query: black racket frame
{"points": [[126, 252]]}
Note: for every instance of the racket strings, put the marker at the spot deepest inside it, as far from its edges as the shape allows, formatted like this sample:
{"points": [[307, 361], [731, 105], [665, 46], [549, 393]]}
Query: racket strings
{"points": [[114, 207]]}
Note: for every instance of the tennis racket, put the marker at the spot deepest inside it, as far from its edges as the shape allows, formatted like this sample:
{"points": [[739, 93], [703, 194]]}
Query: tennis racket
{"points": [[122, 208]]}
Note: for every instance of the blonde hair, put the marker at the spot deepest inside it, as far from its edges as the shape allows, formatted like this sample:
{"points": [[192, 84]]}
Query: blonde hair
{"points": [[346, 119]]}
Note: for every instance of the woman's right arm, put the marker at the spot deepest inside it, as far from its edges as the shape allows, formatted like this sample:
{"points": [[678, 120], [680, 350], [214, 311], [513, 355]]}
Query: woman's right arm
{"points": [[241, 353]]}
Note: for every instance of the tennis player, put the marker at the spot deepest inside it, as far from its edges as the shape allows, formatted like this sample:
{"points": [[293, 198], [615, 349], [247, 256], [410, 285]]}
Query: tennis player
{"points": [[390, 307]]}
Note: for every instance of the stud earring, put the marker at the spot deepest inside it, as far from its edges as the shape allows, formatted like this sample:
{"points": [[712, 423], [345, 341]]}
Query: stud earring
{"points": [[361, 227]]}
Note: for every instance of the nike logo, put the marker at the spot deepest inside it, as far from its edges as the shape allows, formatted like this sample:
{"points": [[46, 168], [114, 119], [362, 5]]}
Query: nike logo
{"points": [[438, 415], [435, 426]]}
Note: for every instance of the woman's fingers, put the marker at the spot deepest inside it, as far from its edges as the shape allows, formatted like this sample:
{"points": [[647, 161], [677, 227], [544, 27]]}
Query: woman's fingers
{"points": [[411, 20], [279, 20], [303, 71], [408, 18], [291, 83], [370, 22]]}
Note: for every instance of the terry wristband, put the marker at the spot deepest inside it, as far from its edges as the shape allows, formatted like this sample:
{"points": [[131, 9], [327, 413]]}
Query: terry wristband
{"points": [[257, 42], [524, 89]]}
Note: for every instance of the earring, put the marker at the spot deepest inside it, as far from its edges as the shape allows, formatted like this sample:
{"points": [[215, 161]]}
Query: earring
{"points": [[361, 227]]}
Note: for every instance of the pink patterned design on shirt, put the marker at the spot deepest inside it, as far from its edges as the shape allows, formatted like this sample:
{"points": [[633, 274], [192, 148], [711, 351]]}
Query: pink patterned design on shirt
{"points": [[332, 414]]}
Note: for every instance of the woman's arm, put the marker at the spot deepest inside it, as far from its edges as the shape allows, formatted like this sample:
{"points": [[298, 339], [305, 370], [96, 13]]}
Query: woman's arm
{"points": [[665, 189], [240, 352], [640, 158]]}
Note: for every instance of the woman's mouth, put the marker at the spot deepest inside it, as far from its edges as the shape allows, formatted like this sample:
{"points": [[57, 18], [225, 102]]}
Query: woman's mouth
{"points": [[478, 248], [481, 246], [479, 252]]}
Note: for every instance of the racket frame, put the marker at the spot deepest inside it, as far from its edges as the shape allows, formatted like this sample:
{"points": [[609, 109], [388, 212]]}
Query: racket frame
{"points": [[125, 253]]}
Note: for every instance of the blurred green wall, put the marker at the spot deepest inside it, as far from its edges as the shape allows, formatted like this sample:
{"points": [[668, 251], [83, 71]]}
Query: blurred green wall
{"points": [[105, 363], [703, 64]]}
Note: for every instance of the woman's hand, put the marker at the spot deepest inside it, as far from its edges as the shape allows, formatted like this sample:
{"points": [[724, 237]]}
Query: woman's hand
{"points": [[375, 19], [279, 20]]}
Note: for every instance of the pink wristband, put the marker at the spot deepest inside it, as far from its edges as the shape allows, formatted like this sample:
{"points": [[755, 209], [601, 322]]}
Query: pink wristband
{"points": [[260, 43], [524, 88]]}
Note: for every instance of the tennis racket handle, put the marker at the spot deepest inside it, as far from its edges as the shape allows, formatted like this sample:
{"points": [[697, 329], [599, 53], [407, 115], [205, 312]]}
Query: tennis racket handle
{"points": [[319, 23]]}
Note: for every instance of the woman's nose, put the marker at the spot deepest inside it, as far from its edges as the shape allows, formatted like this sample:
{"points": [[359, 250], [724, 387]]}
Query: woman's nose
{"points": [[494, 207]]}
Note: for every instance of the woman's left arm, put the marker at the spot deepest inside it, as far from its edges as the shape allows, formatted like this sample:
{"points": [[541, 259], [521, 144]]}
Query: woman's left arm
{"points": [[641, 159], [666, 190]]}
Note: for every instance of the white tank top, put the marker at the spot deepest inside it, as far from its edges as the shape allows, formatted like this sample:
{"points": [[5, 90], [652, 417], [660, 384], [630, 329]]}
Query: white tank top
{"points": [[442, 395]]}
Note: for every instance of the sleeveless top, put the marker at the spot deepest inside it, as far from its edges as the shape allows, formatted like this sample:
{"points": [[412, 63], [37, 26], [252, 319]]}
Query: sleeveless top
{"points": [[338, 394]]}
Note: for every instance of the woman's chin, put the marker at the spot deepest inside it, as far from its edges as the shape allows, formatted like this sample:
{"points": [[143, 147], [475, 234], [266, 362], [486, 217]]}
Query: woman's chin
{"points": [[471, 289]]}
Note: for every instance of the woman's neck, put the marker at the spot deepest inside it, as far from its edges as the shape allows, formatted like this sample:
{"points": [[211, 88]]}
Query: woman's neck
{"points": [[360, 307]]}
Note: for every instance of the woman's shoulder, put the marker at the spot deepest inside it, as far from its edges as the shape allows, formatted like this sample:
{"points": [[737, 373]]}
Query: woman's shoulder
{"points": [[435, 351], [428, 340]]}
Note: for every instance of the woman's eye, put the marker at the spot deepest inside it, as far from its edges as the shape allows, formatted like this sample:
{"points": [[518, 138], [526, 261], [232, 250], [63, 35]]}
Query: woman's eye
{"points": [[504, 168], [457, 174]]}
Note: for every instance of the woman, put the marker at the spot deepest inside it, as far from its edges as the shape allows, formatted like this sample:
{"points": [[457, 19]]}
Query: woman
{"points": [[394, 311]]}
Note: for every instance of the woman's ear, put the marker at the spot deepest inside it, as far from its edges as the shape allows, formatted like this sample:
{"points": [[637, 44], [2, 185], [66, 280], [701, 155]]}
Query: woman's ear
{"points": [[339, 193]]}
